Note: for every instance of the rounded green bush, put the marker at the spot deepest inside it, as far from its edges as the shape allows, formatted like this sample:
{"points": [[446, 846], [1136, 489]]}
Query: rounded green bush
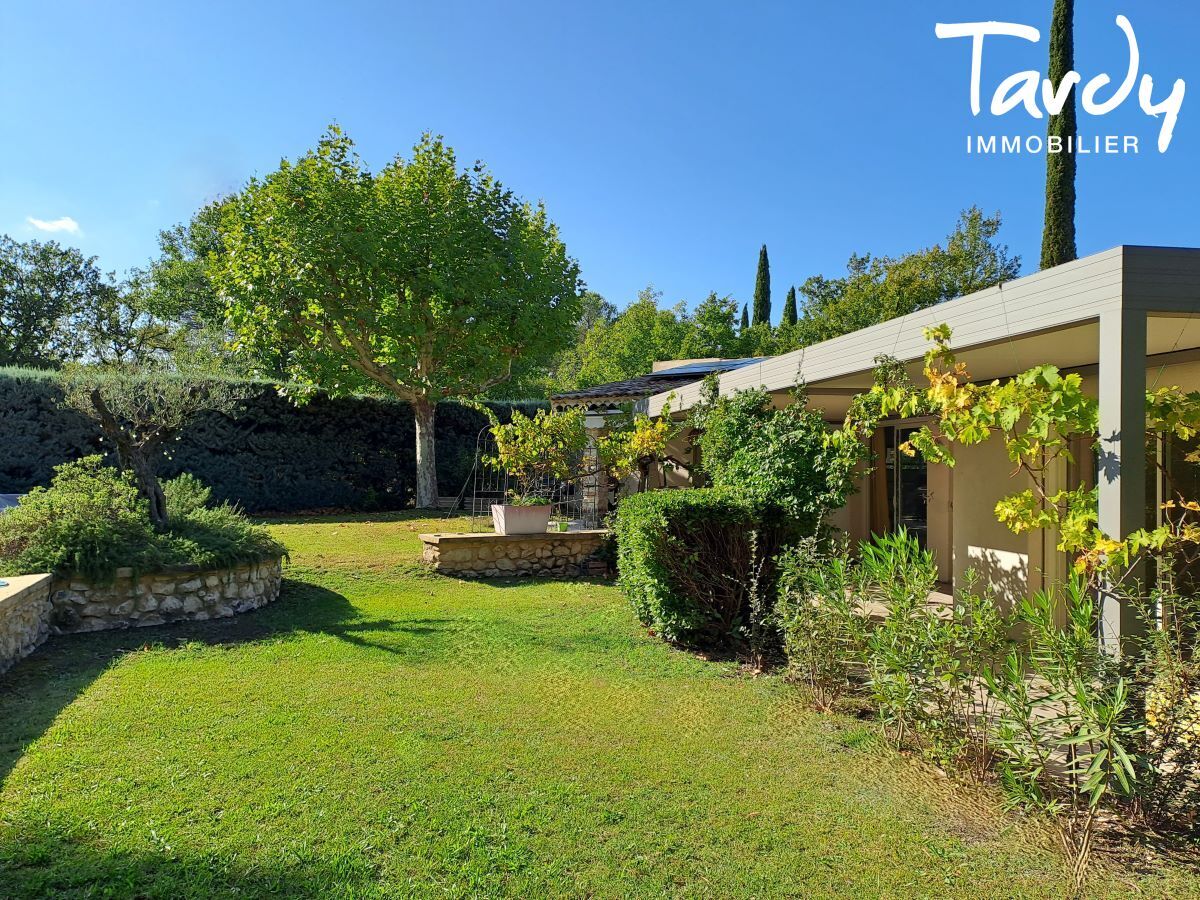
{"points": [[92, 521]]}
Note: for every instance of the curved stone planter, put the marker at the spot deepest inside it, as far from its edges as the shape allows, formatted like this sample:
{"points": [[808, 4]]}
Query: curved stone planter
{"points": [[157, 598]]}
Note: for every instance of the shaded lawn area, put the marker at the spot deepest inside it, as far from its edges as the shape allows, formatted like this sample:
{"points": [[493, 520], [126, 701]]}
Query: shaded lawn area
{"points": [[383, 732]]}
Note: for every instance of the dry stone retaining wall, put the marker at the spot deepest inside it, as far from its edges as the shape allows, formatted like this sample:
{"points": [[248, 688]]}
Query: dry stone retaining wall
{"points": [[131, 601], [499, 555]]}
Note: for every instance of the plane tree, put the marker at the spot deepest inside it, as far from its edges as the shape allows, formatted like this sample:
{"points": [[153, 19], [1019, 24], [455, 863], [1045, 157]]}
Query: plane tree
{"points": [[422, 279]]}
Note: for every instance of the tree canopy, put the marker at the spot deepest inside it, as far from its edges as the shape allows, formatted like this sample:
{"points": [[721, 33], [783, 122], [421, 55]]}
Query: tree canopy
{"points": [[140, 409], [614, 347], [44, 287], [878, 288], [790, 310], [624, 346], [422, 279], [57, 306]]}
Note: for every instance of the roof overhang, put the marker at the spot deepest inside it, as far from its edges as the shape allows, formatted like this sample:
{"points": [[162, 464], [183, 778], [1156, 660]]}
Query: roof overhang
{"points": [[1039, 310]]}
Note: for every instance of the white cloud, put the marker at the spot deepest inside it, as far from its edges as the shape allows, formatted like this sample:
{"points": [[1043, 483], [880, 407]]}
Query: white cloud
{"points": [[65, 223]]}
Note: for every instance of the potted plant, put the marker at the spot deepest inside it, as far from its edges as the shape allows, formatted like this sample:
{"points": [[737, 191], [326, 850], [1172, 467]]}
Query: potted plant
{"points": [[537, 453], [547, 450]]}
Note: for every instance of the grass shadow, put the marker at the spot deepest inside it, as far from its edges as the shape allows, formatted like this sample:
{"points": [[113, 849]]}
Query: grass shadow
{"points": [[46, 862], [333, 517], [38, 688]]}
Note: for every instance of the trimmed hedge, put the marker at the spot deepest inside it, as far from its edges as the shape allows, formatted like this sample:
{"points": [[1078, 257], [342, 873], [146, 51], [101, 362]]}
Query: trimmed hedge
{"points": [[347, 452], [688, 559]]}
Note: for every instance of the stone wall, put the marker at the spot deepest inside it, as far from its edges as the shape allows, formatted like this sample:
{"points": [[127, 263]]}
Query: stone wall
{"points": [[498, 555], [170, 596], [24, 617]]}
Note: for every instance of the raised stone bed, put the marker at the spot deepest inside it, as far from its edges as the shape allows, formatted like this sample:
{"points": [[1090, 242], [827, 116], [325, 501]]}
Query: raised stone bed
{"points": [[24, 617], [490, 555], [130, 601]]}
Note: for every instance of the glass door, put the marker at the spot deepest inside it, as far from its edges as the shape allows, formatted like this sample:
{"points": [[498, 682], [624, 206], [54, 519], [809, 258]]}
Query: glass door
{"points": [[907, 485]]}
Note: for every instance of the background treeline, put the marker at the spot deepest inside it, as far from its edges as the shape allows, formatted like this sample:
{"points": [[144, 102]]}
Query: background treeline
{"points": [[345, 452], [57, 306], [612, 345]]}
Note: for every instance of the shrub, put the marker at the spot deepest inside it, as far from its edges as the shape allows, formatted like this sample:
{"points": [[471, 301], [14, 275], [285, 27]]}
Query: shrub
{"points": [[185, 495], [92, 521], [783, 457], [927, 663], [1166, 676], [217, 537], [697, 563], [823, 632], [1074, 729], [1063, 701], [870, 624]]}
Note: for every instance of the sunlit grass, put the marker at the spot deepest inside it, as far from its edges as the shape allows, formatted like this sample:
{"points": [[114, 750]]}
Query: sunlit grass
{"points": [[380, 731]]}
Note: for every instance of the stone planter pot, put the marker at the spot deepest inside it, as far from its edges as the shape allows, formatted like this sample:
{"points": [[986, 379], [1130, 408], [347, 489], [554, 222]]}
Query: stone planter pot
{"points": [[520, 519]]}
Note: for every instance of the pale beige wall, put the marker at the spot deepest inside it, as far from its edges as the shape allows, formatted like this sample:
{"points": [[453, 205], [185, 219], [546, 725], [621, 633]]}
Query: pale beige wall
{"points": [[1185, 375], [940, 506], [855, 517], [999, 557], [679, 447]]}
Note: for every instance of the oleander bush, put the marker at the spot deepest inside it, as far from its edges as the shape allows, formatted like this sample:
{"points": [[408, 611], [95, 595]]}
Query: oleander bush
{"points": [[823, 632], [1070, 731], [92, 521], [926, 664]]}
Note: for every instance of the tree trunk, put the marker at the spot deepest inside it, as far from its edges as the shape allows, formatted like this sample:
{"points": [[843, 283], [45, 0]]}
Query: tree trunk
{"points": [[427, 490], [135, 459], [150, 488]]}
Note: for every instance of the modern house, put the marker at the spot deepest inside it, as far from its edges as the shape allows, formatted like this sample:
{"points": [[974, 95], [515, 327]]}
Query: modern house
{"points": [[1125, 319], [605, 403]]}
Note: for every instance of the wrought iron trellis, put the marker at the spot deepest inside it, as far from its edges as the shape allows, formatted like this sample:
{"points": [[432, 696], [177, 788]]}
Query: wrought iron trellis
{"points": [[574, 502]]}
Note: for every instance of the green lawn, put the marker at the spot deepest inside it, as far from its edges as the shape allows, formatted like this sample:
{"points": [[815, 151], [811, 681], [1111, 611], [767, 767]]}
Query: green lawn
{"points": [[383, 732]]}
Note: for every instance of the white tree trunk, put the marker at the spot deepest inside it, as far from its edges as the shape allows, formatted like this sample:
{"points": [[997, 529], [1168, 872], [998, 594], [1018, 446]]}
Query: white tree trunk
{"points": [[427, 491]]}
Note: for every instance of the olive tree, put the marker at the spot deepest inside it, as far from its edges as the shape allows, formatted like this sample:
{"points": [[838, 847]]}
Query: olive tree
{"points": [[139, 409], [419, 279]]}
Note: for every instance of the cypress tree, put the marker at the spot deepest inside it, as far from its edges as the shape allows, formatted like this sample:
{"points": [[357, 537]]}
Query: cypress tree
{"points": [[745, 317], [1058, 235], [789, 308], [762, 289]]}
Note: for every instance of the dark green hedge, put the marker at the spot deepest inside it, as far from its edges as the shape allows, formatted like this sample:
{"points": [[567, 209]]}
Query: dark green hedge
{"points": [[351, 452]]}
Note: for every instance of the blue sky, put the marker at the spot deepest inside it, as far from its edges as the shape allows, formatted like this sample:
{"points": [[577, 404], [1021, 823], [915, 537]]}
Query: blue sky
{"points": [[669, 140]]}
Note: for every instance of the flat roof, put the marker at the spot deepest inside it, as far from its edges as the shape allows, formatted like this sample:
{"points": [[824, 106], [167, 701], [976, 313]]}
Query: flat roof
{"points": [[643, 386], [1156, 279]]}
